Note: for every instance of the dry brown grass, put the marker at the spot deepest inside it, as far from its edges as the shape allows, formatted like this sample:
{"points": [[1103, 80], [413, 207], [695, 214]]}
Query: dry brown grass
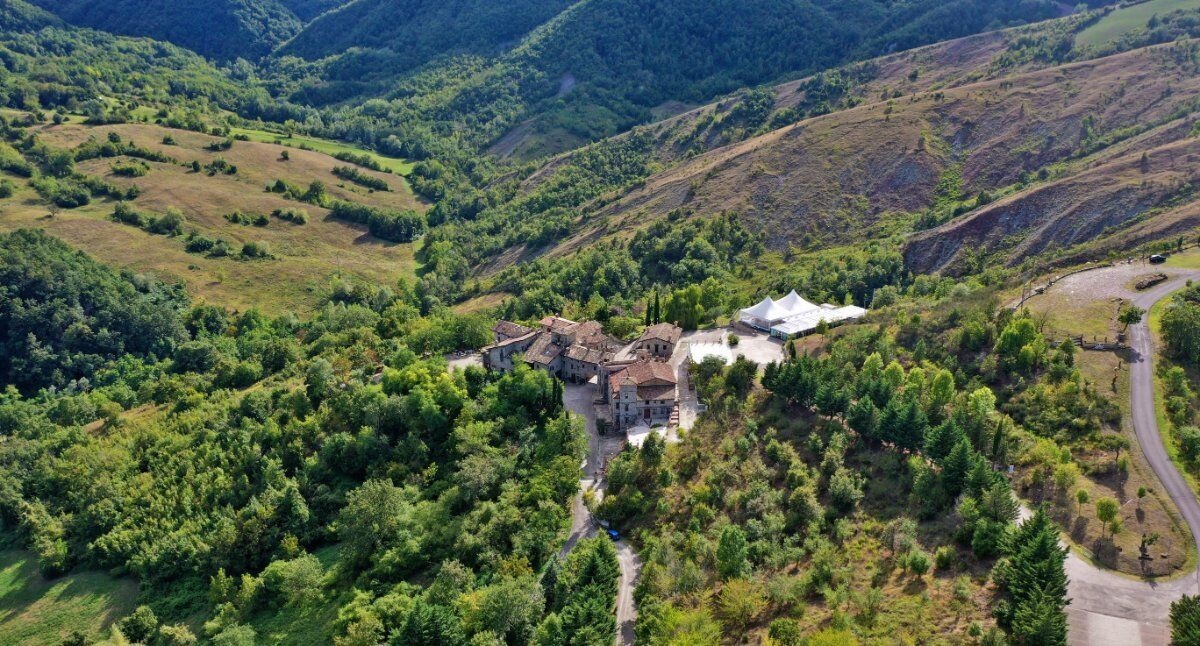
{"points": [[1087, 304], [864, 171], [307, 255]]}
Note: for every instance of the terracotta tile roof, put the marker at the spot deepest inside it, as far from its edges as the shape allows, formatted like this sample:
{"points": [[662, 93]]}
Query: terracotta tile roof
{"points": [[556, 323], [510, 329], [646, 372], [584, 330], [588, 354], [543, 350], [647, 393], [516, 340], [662, 331], [656, 375]]}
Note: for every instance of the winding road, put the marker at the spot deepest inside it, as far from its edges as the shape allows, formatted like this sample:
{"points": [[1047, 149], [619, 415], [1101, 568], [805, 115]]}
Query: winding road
{"points": [[1107, 608], [578, 399]]}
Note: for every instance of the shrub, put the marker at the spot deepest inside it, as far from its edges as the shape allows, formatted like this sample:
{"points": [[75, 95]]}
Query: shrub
{"points": [[395, 226], [177, 635], [6, 188], [197, 243], [237, 375], [297, 582], [918, 562], [352, 174], [126, 214], [844, 490], [252, 249], [131, 169], [945, 557], [140, 626], [196, 356], [169, 224], [1189, 442], [67, 193], [291, 214]]}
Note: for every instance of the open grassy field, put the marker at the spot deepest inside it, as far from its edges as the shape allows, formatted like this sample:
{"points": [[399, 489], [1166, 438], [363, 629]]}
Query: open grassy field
{"points": [[306, 256], [34, 610], [1188, 259], [1126, 19], [327, 146]]}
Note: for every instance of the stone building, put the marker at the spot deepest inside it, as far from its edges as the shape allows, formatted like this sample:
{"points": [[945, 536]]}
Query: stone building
{"points": [[659, 340], [643, 392]]}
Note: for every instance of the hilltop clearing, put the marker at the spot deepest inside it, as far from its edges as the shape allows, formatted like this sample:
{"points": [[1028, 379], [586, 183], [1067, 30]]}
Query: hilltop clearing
{"points": [[233, 207]]}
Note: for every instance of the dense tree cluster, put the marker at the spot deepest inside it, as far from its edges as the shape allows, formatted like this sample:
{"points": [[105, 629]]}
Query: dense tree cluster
{"points": [[268, 440], [63, 316]]}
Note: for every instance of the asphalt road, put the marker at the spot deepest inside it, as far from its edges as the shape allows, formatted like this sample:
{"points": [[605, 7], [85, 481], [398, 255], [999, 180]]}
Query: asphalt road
{"points": [[578, 399], [1107, 608], [1145, 423]]}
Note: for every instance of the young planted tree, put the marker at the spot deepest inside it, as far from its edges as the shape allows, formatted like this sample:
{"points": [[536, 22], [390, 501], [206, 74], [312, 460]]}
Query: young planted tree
{"points": [[1130, 315], [1106, 511]]}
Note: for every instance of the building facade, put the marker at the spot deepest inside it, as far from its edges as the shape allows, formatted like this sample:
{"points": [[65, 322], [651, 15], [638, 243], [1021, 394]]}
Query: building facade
{"points": [[641, 393], [659, 340]]}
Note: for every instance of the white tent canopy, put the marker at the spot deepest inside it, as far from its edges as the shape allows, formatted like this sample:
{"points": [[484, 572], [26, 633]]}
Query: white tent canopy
{"points": [[792, 315], [793, 303]]}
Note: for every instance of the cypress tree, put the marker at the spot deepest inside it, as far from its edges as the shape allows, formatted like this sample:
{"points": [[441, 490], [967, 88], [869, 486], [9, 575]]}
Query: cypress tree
{"points": [[1036, 581], [1185, 620]]}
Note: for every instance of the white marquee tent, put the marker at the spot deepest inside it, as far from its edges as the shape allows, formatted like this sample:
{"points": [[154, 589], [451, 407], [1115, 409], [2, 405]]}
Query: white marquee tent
{"points": [[793, 316]]}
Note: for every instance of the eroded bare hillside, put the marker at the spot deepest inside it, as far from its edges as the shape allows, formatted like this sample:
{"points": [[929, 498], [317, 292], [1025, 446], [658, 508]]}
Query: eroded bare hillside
{"points": [[1034, 137]]}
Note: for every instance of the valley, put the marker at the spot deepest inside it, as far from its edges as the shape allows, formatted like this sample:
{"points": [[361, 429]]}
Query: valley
{"points": [[554, 323]]}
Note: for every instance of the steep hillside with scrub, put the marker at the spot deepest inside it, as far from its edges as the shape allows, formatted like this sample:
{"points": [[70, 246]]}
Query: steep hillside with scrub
{"points": [[968, 148]]}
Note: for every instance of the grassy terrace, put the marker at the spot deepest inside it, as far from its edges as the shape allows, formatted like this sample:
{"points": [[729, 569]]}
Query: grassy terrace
{"points": [[306, 256], [329, 147], [1122, 21]]}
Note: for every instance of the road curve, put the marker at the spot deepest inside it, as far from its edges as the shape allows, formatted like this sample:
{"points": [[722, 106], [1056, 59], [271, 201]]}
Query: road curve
{"points": [[1145, 422], [1107, 608]]}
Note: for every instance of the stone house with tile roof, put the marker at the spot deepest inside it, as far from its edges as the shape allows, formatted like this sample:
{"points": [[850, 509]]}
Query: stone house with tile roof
{"points": [[644, 392], [659, 340], [571, 351]]}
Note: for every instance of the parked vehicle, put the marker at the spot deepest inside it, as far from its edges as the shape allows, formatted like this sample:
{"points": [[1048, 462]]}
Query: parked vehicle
{"points": [[1157, 259]]}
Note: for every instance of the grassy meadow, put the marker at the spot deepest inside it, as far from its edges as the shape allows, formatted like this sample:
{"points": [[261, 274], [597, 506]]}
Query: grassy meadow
{"points": [[1126, 19], [35, 610], [306, 256]]}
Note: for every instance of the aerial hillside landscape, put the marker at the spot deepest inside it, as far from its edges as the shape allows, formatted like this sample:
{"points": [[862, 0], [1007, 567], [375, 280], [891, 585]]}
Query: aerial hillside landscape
{"points": [[668, 322]]}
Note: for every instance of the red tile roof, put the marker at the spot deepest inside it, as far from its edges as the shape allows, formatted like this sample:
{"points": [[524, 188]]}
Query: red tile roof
{"points": [[668, 332]]}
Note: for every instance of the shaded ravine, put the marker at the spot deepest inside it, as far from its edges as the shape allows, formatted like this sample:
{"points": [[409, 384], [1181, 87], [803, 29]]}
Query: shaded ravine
{"points": [[1108, 608]]}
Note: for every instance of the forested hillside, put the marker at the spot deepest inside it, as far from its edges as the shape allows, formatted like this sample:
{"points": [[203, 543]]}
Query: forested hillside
{"points": [[225, 449], [17, 15], [414, 32], [600, 67], [306, 10], [219, 29]]}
